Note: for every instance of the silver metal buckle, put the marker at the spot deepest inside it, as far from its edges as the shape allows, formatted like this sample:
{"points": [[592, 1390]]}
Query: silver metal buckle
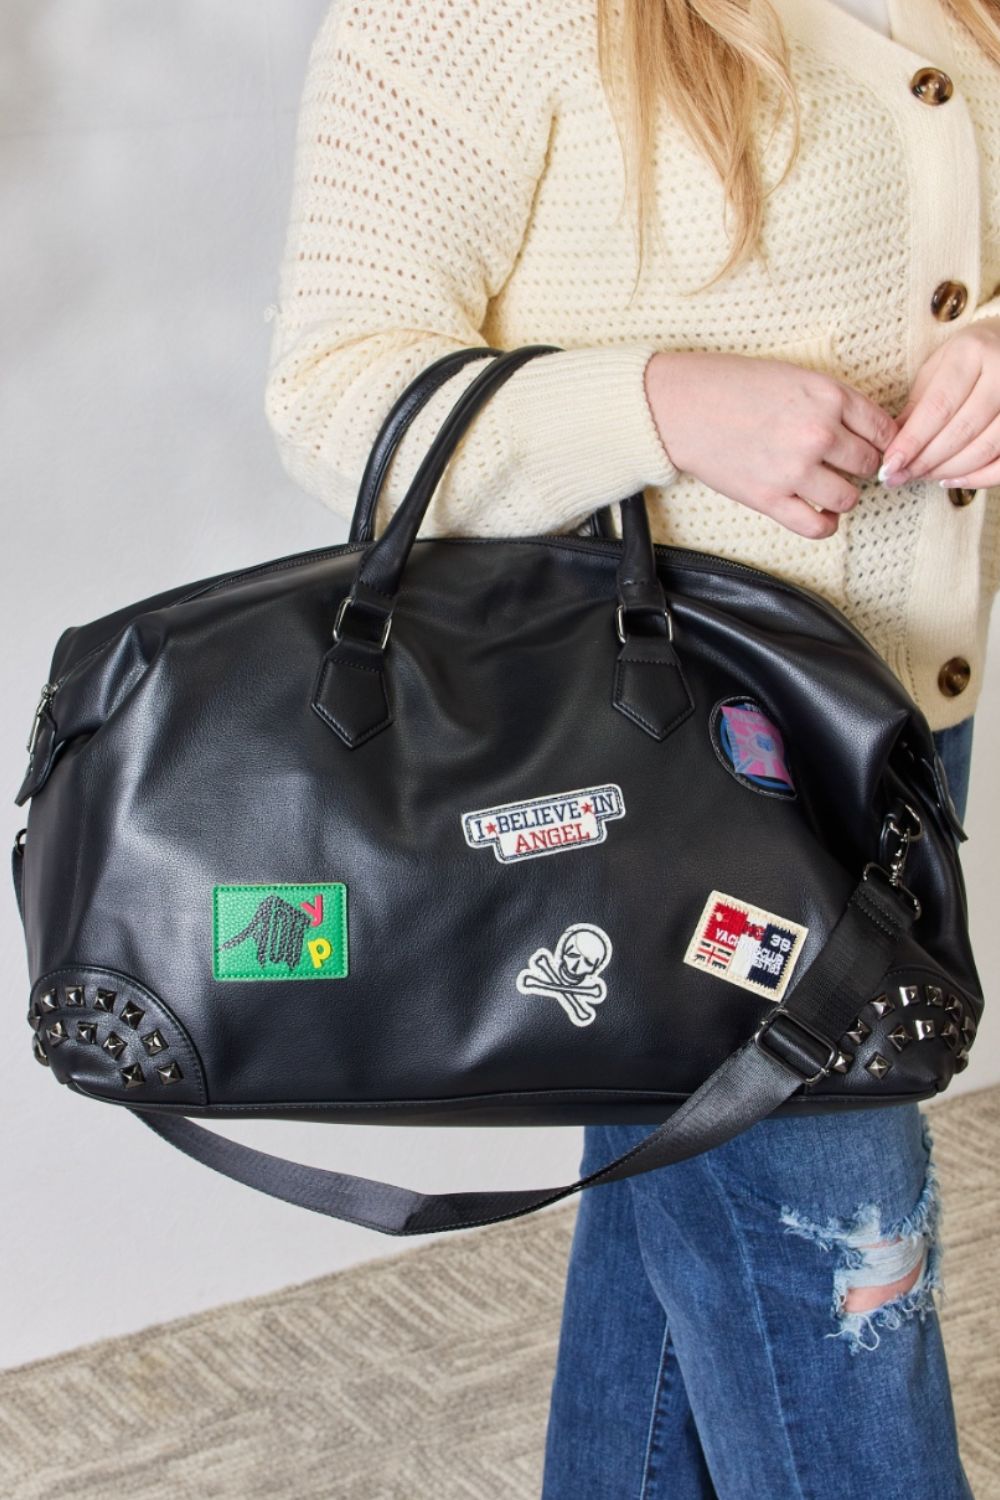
{"points": [[620, 624], [769, 1021], [349, 599]]}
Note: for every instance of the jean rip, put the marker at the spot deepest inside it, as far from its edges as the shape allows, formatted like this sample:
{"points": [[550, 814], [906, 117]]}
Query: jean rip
{"points": [[883, 1274]]}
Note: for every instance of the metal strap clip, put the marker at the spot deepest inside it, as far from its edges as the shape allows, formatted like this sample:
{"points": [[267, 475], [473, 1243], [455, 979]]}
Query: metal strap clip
{"points": [[901, 828]]}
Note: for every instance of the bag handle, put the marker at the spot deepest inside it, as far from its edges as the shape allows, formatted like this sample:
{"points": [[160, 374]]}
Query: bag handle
{"points": [[351, 694], [394, 429], [795, 1044], [381, 569]]}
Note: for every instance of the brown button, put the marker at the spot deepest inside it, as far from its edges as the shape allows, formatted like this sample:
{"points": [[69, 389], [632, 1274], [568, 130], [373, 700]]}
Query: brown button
{"points": [[960, 496], [949, 300], [953, 677], [931, 86]]}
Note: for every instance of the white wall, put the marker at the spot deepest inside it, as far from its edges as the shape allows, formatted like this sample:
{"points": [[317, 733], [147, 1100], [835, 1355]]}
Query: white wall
{"points": [[145, 166]]}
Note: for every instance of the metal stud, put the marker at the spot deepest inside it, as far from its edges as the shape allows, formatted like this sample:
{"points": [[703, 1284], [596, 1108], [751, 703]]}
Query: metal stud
{"points": [[153, 1043], [169, 1073], [56, 1033], [132, 1015], [40, 1053], [878, 1066], [953, 1005], [934, 993], [114, 1044], [86, 1031], [74, 994], [859, 1031], [949, 1034], [105, 999], [133, 1076], [882, 1005], [961, 1060], [900, 1038], [968, 1031], [842, 1062], [34, 1019], [909, 994], [922, 1029], [48, 1001]]}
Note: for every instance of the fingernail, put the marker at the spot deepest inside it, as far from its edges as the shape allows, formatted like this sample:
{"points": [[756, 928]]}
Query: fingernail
{"points": [[894, 461]]}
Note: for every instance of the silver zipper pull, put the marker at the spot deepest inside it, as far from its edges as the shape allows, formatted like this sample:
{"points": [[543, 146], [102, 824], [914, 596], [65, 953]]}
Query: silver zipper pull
{"points": [[48, 693]]}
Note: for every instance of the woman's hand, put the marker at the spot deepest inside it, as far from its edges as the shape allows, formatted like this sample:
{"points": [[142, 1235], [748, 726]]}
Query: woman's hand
{"points": [[770, 434], [949, 429]]}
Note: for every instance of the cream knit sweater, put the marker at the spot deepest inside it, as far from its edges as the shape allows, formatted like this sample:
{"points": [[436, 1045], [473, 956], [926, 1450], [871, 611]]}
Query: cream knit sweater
{"points": [[458, 181]]}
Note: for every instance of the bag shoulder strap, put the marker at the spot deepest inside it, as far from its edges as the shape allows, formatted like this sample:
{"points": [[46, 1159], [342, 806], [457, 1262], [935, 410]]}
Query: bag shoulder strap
{"points": [[796, 1043]]}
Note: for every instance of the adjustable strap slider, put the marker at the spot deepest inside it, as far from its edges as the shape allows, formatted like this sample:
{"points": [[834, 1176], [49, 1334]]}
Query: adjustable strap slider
{"points": [[796, 1045]]}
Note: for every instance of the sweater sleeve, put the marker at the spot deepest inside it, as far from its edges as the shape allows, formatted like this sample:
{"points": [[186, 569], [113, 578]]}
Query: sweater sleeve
{"points": [[421, 139], [989, 309]]}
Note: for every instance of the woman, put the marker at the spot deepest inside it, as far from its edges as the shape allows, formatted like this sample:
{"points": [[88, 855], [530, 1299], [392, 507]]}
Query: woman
{"points": [[822, 293]]}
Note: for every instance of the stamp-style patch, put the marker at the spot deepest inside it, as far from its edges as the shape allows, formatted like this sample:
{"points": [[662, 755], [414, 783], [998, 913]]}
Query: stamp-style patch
{"points": [[544, 825], [572, 974], [751, 747], [745, 944], [279, 931]]}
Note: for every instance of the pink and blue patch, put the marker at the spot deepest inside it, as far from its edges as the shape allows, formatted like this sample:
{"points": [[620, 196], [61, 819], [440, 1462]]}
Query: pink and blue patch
{"points": [[753, 747]]}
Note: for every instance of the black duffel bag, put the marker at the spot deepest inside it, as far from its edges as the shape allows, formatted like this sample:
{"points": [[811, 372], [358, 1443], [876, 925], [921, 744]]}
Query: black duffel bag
{"points": [[537, 830]]}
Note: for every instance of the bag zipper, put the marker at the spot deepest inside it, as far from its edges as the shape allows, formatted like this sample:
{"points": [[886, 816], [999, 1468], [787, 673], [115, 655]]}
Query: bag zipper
{"points": [[48, 693], [677, 555]]}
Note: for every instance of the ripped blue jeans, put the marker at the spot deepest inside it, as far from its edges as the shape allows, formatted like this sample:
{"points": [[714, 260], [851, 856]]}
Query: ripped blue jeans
{"points": [[705, 1352]]}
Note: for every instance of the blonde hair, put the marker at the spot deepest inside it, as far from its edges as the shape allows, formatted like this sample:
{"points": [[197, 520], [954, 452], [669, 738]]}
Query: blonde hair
{"points": [[707, 58]]}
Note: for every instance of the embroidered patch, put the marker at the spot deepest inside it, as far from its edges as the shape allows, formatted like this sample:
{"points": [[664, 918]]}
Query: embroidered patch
{"points": [[280, 931], [746, 945], [544, 825], [571, 974], [750, 745]]}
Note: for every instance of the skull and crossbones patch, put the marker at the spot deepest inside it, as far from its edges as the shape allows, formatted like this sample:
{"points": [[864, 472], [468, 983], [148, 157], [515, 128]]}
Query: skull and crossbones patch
{"points": [[571, 974]]}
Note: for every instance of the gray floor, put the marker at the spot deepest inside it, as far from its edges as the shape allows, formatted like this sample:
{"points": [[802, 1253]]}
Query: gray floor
{"points": [[424, 1376]]}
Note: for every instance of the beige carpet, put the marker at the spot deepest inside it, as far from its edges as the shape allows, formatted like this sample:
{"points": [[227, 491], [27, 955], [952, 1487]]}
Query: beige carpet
{"points": [[424, 1376]]}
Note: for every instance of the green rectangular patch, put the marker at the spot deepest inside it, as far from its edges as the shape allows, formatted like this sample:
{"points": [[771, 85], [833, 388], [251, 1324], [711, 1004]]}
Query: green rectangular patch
{"points": [[279, 931]]}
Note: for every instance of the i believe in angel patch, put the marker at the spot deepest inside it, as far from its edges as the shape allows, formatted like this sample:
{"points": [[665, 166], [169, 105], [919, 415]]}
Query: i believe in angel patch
{"points": [[544, 825], [745, 944]]}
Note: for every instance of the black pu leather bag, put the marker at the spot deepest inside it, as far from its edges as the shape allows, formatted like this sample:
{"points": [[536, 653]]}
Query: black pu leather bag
{"points": [[529, 831]]}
